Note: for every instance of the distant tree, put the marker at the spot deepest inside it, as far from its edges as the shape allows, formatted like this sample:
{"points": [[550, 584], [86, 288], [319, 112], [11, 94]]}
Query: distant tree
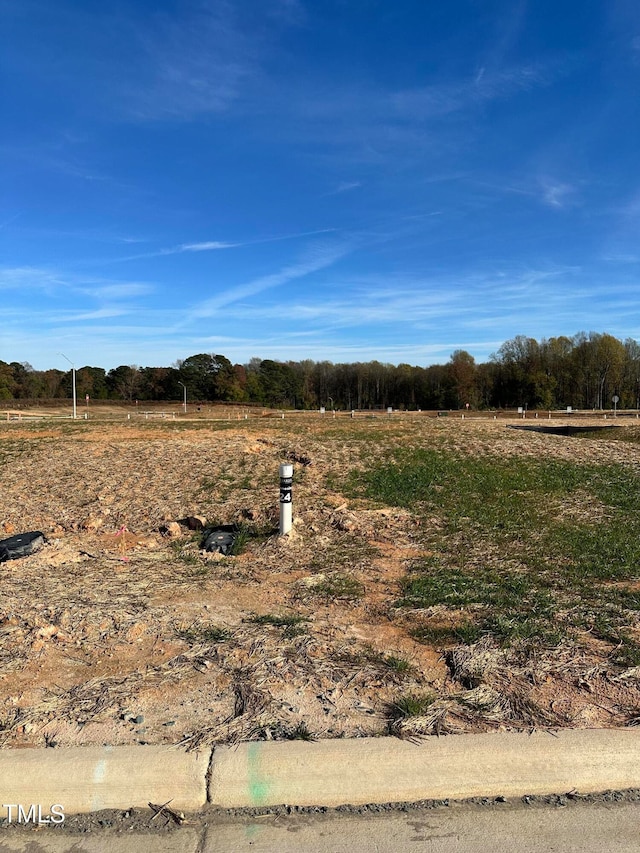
{"points": [[520, 368], [304, 372], [280, 385], [8, 383], [159, 383], [631, 378], [210, 377], [124, 382], [609, 357], [437, 388], [404, 387], [27, 381], [91, 381], [51, 383], [225, 382], [322, 382], [556, 362], [462, 370], [582, 371]]}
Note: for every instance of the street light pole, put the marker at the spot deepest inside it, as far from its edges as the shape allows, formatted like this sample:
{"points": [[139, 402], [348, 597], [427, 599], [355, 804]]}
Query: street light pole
{"points": [[185, 395], [73, 382]]}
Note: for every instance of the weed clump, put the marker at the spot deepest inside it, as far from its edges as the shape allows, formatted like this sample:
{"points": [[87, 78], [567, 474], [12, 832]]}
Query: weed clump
{"points": [[203, 633], [338, 585], [292, 625]]}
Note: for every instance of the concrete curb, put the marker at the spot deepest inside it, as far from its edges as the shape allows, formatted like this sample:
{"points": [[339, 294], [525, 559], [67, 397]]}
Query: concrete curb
{"points": [[377, 770], [87, 779], [326, 773]]}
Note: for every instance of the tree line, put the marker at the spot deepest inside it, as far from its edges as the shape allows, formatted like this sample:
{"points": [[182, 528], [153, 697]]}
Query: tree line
{"points": [[584, 371]]}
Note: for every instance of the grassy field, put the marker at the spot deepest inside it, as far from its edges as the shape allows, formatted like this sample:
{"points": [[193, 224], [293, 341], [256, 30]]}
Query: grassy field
{"points": [[528, 550]]}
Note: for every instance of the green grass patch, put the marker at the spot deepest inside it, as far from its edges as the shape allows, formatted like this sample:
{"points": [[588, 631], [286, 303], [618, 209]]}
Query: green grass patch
{"points": [[548, 570], [337, 585], [446, 635], [291, 624], [186, 552], [206, 634], [369, 656], [300, 732], [627, 654], [410, 705], [400, 665]]}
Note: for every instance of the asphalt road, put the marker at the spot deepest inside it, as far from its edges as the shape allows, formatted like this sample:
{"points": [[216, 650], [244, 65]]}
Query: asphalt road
{"points": [[583, 828], [578, 827]]}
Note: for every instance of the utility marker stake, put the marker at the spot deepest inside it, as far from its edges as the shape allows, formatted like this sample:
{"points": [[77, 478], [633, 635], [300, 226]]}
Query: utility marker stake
{"points": [[286, 503]]}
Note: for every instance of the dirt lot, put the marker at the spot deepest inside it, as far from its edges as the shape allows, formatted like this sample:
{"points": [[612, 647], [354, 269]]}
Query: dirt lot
{"points": [[121, 630]]}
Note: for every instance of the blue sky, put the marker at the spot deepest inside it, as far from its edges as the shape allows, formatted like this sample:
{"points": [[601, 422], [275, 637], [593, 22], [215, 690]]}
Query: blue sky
{"points": [[337, 179]]}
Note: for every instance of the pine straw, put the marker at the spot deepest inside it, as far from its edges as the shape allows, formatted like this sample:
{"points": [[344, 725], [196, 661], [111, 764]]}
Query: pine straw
{"points": [[257, 679], [499, 684], [242, 668], [482, 706]]}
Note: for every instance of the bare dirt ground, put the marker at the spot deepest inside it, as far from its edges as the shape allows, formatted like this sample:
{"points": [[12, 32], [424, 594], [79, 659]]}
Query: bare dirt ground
{"points": [[121, 630]]}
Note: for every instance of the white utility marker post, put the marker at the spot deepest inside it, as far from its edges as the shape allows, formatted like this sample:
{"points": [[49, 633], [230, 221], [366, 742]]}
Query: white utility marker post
{"points": [[286, 503], [184, 404]]}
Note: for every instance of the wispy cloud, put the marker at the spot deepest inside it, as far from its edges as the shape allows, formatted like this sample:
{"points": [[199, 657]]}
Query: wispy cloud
{"points": [[158, 62], [207, 246], [414, 105], [556, 194], [56, 283], [621, 258], [549, 191], [213, 245], [312, 261], [120, 290], [405, 304], [199, 61], [46, 156], [344, 187], [84, 316], [29, 278], [218, 245], [445, 98], [368, 125]]}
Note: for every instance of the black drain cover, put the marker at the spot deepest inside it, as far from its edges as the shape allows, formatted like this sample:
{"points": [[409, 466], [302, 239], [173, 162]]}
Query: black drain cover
{"points": [[20, 545], [220, 539]]}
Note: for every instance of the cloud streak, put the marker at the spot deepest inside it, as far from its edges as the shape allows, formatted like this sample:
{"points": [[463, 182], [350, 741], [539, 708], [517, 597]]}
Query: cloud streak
{"points": [[58, 284], [314, 260], [218, 245], [203, 61]]}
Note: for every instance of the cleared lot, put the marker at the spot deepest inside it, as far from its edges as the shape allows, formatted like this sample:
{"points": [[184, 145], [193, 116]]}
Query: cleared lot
{"points": [[442, 576]]}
